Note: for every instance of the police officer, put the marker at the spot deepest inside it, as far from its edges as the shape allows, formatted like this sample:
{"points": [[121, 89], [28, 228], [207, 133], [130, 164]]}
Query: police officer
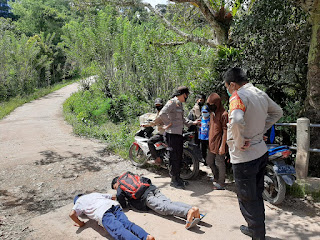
{"points": [[172, 115], [251, 113]]}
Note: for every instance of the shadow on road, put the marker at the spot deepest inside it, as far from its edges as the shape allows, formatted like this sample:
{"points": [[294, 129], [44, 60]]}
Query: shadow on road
{"points": [[95, 226]]}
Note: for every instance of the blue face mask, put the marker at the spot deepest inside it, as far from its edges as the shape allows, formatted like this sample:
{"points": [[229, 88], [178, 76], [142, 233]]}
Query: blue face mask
{"points": [[229, 93], [205, 114]]}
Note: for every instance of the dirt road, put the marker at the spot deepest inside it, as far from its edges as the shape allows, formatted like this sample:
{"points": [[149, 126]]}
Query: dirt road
{"points": [[43, 165]]}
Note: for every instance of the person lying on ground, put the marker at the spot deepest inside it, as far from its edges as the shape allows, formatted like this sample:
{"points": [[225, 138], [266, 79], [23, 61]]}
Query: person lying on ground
{"points": [[107, 212], [147, 196]]}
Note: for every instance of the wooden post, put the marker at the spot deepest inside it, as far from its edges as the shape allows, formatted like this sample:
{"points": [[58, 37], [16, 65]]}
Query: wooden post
{"points": [[303, 145]]}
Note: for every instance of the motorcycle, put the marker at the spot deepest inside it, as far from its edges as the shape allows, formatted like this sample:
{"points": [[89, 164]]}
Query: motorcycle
{"points": [[279, 172], [139, 153]]}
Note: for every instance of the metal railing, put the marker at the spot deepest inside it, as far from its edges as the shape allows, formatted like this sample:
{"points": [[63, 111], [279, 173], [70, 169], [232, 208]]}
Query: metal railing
{"points": [[303, 145], [294, 125]]}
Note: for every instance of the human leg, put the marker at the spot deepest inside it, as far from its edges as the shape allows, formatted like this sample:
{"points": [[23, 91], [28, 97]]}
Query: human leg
{"points": [[175, 143], [151, 146], [221, 166], [164, 206], [249, 183], [115, 228], [130, 226], [204, 148], [212, 164]]}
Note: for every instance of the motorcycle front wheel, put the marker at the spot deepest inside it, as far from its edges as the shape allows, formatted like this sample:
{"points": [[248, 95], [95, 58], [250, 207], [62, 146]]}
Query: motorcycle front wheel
{"points": [[274, 187], [190, 165], [137, 156]]}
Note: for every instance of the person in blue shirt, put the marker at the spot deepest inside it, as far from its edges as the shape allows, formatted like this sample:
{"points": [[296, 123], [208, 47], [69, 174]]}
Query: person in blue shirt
{"points": [[204, 131]]}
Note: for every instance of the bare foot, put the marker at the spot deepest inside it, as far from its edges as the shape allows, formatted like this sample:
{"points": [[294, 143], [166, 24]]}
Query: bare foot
{"points": [[190, 216], [149, 237], [196, 213], [158, 161]]}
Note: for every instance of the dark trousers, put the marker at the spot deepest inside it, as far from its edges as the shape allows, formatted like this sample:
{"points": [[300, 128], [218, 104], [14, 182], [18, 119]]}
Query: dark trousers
{"points": [[249, 177], [119, 227], [175, 143], [204, 148], [152, 148]]}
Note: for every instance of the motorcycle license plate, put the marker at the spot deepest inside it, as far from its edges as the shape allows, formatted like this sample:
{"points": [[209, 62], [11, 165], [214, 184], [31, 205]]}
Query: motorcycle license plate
{"points": [[284, 169]]}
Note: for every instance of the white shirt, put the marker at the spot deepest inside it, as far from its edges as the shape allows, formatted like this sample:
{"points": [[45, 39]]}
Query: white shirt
{"points": [[252, 112], [94, 205]]}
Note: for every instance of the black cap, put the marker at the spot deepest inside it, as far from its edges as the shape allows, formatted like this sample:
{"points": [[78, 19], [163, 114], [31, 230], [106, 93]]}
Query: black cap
{"points": [[182, 90], [158, 101]]}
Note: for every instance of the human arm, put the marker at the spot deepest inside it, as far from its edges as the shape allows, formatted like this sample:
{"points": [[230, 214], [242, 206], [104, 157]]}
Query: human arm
{"points": [[274, 114], [224, 121], [73, 215], [165, 112], [236, 125], [121, 197]]}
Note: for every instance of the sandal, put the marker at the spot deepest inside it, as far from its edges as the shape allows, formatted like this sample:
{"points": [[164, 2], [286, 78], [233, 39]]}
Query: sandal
{"points": [[202, 216], [194, 222], [217, 186]]}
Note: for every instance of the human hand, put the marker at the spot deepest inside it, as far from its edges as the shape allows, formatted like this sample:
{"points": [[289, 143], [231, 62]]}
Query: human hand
{"points": [[114, 197], [80, 224], [265, 138], [246, 145], [196, 122], [222, 150], [165, 127]]}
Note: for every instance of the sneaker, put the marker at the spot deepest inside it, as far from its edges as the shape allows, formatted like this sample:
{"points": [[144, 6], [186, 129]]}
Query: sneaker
{"points": [[246, 231]]}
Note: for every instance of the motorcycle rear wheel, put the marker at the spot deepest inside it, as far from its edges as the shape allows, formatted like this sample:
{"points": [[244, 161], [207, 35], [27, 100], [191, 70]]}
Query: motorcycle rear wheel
{"points": [[190, 165], [274, 187], [137, 156]]}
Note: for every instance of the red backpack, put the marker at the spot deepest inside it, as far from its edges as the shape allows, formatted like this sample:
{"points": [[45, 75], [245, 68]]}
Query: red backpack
{"points": [[131, 184]]}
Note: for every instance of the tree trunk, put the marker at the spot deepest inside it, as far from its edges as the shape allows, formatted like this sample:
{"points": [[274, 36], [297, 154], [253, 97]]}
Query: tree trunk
{"points": [[313, 77]]}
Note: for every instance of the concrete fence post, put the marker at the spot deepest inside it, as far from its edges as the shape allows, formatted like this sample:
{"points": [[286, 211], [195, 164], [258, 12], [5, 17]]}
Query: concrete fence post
{"points": [[303, 145]]}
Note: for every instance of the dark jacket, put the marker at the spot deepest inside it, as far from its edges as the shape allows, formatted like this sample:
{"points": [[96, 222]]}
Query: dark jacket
{"points": [[140, 204]]}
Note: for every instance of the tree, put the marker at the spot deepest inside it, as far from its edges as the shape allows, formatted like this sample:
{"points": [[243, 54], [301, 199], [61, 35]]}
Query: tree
{"points": [[219, 15], [313, 100]]}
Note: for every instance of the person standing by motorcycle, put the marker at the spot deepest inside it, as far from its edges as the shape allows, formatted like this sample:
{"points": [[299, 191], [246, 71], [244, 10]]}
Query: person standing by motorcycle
{"points": [[204, 131], [251, 113], [160, 131], [195, 114], [217, 140], [172, 115]]}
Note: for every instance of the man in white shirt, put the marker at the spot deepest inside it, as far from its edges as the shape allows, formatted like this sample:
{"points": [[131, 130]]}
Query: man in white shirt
{"points": [[109, 214], [251, 114]]}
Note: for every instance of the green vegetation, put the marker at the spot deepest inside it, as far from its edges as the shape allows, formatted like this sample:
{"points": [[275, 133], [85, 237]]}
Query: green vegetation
{"points": [[301, 190], [92, 115], [138, 57]]}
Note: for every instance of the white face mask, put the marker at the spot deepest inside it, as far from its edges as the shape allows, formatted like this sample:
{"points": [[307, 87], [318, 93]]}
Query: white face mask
{"points": [[205, 114]]}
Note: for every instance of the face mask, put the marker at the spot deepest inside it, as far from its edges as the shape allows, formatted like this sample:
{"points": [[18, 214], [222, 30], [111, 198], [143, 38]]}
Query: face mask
{"points": [[229, 94], [200, 104], [212, 108], [159, 108], [205, 114]]}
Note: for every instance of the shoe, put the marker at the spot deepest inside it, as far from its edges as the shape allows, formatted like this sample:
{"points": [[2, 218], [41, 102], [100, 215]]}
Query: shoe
{"points": [[202, 216], [176, 184], [246, 231], [184, 182], [194, 222], [217, 186]]}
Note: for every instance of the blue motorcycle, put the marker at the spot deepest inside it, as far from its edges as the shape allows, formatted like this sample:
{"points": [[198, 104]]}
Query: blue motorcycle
{"points": [[279, 172]]}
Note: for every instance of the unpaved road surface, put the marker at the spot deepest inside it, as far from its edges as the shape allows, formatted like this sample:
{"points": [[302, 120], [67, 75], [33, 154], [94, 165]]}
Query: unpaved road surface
{"points": [[43, 165]]}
